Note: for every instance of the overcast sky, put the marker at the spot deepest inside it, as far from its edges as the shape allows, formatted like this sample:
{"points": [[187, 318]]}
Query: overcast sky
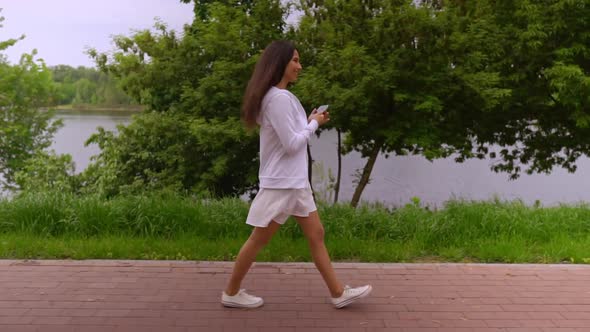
{"points": [[61, 30]]}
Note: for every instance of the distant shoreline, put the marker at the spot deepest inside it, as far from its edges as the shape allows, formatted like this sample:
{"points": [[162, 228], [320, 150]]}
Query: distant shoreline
{"points": [[98, 108]]}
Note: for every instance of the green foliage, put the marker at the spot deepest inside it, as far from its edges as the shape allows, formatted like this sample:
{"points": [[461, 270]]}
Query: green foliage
{"points": [[84, 86], [147, 154], [24, 130], [540, 51], [47, 172], [173, 151], [435, 78], [190, 138], [406, 84], [454, 77]]}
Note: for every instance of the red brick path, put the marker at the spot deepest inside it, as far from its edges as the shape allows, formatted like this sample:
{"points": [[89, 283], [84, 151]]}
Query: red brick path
{"points": [[167, 296]]}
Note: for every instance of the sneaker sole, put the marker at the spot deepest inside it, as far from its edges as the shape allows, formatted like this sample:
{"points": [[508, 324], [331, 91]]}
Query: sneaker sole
{"points": [[352, 299], [240, 305]]}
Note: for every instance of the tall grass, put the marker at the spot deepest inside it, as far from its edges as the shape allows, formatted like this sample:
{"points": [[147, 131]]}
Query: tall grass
{"points": [[155, 215], [187, 227]]}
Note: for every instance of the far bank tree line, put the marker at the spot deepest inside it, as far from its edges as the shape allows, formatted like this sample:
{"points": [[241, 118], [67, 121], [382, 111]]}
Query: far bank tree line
{"points": [[436, 78], [86, 86]]}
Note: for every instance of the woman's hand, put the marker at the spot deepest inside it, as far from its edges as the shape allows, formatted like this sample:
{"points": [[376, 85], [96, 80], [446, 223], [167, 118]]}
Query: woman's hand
{"points": [[320, 118]]}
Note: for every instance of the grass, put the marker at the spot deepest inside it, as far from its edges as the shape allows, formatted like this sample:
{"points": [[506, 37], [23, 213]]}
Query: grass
{"points": [[169, 226]]}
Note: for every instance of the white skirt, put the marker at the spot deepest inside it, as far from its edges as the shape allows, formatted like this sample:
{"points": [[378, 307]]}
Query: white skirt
{"points": [[278, 205]]}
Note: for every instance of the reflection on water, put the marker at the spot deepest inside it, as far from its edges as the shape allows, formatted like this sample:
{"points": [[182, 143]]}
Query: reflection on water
{"points": [[394, 181]]}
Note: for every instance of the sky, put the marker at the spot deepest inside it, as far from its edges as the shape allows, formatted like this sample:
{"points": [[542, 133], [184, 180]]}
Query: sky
{"points": [[62, 30]]}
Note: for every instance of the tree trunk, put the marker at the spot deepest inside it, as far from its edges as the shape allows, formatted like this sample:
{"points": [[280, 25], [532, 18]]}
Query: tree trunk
{"points": [[339, 175], [309, 169], [366, 174]]}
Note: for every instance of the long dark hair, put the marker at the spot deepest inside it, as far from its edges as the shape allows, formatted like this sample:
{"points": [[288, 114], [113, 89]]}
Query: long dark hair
{"points": [[268, 72]]}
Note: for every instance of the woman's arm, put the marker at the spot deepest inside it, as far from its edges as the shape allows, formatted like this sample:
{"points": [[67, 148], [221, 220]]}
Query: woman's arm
{"points": [[282, 115]]}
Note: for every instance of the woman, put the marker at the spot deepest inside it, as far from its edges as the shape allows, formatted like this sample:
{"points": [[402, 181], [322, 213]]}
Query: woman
{"points": [[284, 187]]}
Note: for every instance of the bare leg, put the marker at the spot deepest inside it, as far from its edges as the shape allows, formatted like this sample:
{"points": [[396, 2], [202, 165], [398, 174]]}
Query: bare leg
{"points": [[258, 239], [314, 232]]}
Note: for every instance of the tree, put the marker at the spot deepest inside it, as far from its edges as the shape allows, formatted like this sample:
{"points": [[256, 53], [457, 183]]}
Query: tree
{"points": [[47, 172], [393, 73], [544, 59], [501, 79], [24, 130], [190, 136], [85, 92], [435, 78], [83, 85]]}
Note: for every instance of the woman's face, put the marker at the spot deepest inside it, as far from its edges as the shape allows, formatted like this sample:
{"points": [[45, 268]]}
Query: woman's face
{"points": [[293, 68]]}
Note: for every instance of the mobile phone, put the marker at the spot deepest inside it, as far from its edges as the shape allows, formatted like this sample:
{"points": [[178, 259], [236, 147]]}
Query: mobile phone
{"points": [[322, 109]]}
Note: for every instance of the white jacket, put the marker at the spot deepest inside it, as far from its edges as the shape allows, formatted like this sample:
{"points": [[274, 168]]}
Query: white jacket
{"points": [[284, 134]]}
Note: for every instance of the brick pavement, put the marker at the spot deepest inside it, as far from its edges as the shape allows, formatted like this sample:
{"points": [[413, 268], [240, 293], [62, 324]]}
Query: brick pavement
{"points": [[162, 296]]}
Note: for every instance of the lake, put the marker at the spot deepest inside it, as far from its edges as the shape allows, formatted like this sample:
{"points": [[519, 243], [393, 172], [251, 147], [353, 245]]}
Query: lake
{"points": [[394, 180]]}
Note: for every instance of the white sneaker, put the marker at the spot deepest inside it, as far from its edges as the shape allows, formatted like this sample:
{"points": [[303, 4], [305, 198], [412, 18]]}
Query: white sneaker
{"points": [[241, 300], [350, 295]]}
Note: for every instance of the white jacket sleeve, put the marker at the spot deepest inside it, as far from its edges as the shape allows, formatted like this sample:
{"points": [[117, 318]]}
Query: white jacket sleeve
{"points": [[282, 116]]}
